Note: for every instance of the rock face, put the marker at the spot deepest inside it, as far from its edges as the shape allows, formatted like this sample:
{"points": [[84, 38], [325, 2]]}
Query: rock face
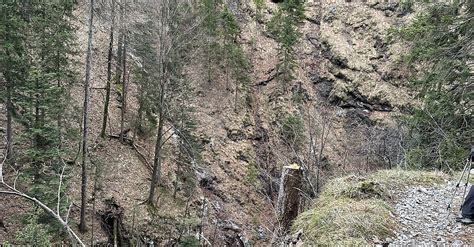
{"points": [[357, 62], [346, 79]]}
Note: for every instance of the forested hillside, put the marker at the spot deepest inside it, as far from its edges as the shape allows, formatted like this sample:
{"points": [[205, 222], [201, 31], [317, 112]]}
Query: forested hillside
{"points": [[228, 123]]}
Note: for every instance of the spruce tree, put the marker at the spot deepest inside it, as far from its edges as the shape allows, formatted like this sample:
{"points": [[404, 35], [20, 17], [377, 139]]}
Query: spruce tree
{"points": [[43, 96], [441, 129], [38, 43], [284, 28], [13, 59], [236, 61], [210, 13]]}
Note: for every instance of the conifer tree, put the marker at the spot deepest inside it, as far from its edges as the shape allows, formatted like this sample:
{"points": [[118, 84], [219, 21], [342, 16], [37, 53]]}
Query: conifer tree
{"points": [[284, 28], [209, 9], [43, 96], [42, 79], [236, 62], [441, 130], [13, 59]]}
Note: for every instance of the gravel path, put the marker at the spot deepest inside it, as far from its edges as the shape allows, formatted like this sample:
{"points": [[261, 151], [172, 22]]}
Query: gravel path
{"points": [[424, 218]]}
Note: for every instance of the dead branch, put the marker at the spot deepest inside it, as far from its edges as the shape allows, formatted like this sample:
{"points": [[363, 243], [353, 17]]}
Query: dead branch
{"points": [[142, 156], [15, 192], [11, 190]]}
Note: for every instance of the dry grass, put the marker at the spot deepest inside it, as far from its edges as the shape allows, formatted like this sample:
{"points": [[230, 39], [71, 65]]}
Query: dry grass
{"points": [[353, 211]]}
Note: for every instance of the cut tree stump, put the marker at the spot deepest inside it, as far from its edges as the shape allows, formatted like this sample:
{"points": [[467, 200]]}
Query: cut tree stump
{"points": [[288, 195]]}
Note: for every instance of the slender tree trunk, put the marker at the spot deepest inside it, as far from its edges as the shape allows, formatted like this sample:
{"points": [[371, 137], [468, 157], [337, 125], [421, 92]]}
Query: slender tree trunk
{"points": [[94, 200], [209, 62], [138, 122], [9, 120], [157, 160], [124, 89], [236, 99], [115, 230], [226, 61], [82, 224], [37, 113], [118, 65], [109, 73], [60, 119]]}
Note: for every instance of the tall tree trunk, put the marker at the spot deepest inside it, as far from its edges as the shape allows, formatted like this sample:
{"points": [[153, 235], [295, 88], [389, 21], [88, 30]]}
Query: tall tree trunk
{"points": [[138, 122], [118, 65], [155, 179], [236, 99], [82, 224], [9, 120], [109, 74], [209, 62], [124, 89], [94, 200], [60, 119], [36, 95]]}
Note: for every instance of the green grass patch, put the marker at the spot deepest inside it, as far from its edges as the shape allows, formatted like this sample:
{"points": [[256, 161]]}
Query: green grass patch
{"points": [[401, 178], [354, 210]]}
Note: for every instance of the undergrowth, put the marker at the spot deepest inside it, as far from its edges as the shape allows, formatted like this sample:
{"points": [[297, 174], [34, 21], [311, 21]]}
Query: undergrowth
{"points": [[355, 210]]}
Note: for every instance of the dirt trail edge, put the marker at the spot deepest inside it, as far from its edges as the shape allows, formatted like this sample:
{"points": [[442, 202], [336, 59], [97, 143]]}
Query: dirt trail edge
{"points": [[423, 216]]}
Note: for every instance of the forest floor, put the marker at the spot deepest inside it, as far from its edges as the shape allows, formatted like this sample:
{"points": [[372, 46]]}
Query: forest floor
{"points": [[424, 218]]}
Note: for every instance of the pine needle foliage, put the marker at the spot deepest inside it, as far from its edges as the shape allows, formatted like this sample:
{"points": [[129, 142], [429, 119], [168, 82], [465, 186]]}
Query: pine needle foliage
{"points": [[284, 28], [440, 60]]}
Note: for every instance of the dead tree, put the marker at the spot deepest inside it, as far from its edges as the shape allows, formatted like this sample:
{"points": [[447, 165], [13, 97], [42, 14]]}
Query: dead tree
{"points": [[289, 195]]}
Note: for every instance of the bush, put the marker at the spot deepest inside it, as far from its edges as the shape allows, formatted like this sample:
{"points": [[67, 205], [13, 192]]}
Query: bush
{"points": [[33, 233], [292, 128]]}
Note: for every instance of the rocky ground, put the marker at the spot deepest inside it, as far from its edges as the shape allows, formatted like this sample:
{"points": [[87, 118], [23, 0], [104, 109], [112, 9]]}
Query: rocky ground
{"points": [[425, 220]]}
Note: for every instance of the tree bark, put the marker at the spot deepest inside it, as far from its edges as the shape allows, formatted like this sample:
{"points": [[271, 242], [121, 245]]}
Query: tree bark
{"points": [[155, 179], [118, 65], [124, 89], [288, 195], [109, 74], [82, 224], [9, 120]]}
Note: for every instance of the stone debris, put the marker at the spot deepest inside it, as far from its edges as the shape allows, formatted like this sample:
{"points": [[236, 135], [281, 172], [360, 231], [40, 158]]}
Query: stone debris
{"points": [[424, 218]]}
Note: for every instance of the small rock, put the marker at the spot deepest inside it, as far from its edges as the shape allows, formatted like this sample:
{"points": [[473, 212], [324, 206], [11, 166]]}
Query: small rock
{"points": [[230, 225]]}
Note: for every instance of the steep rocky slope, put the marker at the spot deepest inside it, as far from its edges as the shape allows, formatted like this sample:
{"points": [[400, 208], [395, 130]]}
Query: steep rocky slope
{"points": [[347, 84]]}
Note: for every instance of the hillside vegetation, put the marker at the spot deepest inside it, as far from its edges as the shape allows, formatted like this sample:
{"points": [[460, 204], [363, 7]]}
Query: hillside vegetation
{"points": [[211, 122]]}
